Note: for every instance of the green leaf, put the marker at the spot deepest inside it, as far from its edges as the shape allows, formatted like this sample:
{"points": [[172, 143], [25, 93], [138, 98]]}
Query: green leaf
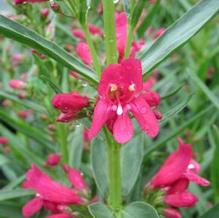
{"points": [[27, 129], [17, 193], [3, 160], [131, 158], [177, 34], [99, 210], [10, 211], [212, 213], [215, 163], [25, 102], [99, 165], [147, 20], [139, 210], [204, 88], [162, 141], [76, 147], [28, 37], [179, 106]]}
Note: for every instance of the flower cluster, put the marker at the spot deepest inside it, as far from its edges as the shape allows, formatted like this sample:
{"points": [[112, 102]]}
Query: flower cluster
{"points": [[53, 196], [173, 179]]}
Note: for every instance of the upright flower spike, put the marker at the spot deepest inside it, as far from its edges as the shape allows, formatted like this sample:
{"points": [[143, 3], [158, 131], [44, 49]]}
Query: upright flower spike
{"points": [[173, 179], [70, 104], [120, 92]]}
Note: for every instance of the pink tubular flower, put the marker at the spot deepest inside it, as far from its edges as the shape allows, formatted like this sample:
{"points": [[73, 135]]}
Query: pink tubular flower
{"points": [[48, 189], [174, 177], [49, 194], [70, 104], [76, 178], [3, 140], [120, 92], [172, 213], [24, 114], [122, 34], [17, 84], [44, 12], [160, 32], [83, 51], [78, 33], [94, 30], [53, 159], [60, 215]]}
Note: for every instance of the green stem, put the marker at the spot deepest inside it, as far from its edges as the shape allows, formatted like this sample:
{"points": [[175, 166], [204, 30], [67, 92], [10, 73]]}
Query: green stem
{"points": [[109, 31], [62, 136], [114, 173], [129, 41], [94, 55]]}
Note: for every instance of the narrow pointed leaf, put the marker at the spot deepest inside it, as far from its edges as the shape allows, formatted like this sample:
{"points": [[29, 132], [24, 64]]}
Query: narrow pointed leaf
{"points": [[177, 34], [30, 38]]}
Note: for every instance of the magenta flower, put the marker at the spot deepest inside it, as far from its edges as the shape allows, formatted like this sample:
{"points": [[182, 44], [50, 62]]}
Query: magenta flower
{"points": [[122, 34], [70, 104], [120, 92], [53, 159], [76, 178], [61, 215], [94, 30], [16, 84], [49, 194], [174, 177], [3, 140], [83, 51], [79, 33]]}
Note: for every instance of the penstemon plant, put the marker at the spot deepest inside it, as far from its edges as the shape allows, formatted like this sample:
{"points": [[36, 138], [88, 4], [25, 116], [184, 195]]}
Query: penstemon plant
{"points": [[82, 128]]}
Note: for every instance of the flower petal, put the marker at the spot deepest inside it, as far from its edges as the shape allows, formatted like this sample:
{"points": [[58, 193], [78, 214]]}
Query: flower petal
{"points": [[179, 186], [174, 166], [172, 213], [60, 215], [83, 51], [133, 73], [32, 207], [185, 199], [76, 178], [100, 116], [121, 32], [145, 116], [192, 177], [123, 128], [48, 189]]}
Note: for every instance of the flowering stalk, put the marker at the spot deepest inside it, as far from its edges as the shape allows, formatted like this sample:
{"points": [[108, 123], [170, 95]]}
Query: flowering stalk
{"points": [[109, 31], [92, 49], [114, 173], [62, 136]]}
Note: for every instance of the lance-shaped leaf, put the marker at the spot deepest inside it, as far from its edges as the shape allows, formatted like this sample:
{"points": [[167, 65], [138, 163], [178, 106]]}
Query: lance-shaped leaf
{"points": [[178, 33], [30, 38]]}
